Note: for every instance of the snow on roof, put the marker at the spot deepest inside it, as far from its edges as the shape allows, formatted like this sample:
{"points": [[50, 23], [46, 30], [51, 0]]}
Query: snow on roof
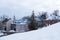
{"points": [[1, 34], [23, 23], [49, 18], [48, 33], [52, 17], [11, 31], [37, 19]]}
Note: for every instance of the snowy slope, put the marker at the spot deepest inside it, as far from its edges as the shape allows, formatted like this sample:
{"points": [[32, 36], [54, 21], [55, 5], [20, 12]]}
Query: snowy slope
{"points": [[48, 33]]}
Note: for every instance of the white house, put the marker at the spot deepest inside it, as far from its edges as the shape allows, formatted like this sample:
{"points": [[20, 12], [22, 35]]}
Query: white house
{"points": [[22, 26], [8, 25]]}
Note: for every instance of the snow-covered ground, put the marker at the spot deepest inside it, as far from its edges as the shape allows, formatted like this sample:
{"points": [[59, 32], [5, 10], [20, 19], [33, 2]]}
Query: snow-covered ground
{"points": [[48, 33]]}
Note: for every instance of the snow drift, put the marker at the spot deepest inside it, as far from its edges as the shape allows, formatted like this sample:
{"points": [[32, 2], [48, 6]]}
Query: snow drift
{"points": [[48, 33]]}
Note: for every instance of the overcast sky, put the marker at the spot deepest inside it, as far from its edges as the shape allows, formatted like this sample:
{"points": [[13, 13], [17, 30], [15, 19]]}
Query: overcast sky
{"points": [[21, 8]]}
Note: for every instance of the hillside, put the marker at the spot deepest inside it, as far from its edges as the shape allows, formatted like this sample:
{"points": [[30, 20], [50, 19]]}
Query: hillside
{"points": [[48, 33]]}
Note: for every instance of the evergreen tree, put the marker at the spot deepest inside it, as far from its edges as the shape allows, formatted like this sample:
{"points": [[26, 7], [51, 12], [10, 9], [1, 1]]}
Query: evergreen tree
{"points": [[32, 22]]}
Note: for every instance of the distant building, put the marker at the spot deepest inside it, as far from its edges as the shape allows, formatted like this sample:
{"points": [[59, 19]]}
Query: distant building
{"points": [[22, 27], [8, 25], [51, 20]]}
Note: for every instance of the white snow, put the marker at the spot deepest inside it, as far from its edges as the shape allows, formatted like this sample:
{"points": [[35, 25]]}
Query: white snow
{"points": [[11, 31], [1, 34], [53, 17], [48, 33]]}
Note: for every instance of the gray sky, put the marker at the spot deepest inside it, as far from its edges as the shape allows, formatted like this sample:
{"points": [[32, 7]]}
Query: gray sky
{"points": [[21, 8]]}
